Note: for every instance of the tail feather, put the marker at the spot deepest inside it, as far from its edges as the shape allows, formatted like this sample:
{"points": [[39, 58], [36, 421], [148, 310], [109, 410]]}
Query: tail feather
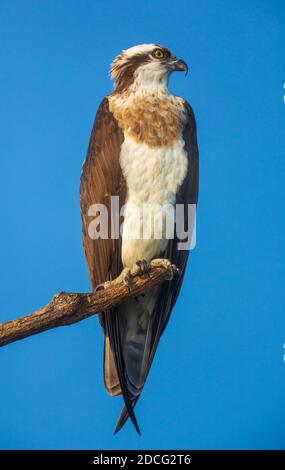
{"points": [[156, 326], [130, 330], [111, 379], [113, 329], [124, 416]]}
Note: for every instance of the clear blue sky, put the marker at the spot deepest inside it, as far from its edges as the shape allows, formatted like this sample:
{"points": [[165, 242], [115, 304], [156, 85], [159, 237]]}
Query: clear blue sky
{"points": [[218, 380]]}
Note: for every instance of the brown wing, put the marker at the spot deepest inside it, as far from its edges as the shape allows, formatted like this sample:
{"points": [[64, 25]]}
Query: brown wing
{"points": [[102, 178], [188, 194]]}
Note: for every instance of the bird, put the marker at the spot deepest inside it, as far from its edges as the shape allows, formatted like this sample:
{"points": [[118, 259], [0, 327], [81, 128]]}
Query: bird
{"points": [[142, 149]]}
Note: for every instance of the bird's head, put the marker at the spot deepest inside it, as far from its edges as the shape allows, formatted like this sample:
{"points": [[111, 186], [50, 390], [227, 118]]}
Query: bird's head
{"points": [[146, 65]]}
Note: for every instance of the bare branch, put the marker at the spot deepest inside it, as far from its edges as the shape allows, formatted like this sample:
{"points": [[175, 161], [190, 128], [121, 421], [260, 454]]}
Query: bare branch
{"points": [[67, 308]]}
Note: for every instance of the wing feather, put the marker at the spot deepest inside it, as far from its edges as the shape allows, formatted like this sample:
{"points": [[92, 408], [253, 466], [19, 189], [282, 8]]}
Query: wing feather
{"points": [[102, 178]]}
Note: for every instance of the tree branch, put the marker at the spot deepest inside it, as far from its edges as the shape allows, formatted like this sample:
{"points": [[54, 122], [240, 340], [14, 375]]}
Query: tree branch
{"points": [[68, 308]]}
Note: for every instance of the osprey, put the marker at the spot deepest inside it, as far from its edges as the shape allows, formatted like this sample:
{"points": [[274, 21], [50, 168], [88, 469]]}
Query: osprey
{"points": [[143, 149]]}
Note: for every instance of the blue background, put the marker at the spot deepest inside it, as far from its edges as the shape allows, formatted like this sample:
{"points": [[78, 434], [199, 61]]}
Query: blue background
{"points": [[218, 380]]}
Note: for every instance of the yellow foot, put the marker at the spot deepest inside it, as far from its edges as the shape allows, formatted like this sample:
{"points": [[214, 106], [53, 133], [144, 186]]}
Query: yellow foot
{"points": [[166, 264], [141, 268]]}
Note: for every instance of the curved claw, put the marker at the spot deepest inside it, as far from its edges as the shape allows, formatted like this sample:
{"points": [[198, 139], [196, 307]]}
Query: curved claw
{"points": [[99, 287], [144, 266], [128, 281]]}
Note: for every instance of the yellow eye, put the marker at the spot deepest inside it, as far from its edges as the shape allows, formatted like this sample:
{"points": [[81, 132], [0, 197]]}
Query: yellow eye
{"points": [[158, 53]]}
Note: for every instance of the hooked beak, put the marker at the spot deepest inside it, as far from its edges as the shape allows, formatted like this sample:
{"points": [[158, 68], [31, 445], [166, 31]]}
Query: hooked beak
{"points": [[178, 65]]}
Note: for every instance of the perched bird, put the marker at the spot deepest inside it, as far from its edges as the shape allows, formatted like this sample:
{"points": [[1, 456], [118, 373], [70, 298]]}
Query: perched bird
{"points": [[143, 148]]}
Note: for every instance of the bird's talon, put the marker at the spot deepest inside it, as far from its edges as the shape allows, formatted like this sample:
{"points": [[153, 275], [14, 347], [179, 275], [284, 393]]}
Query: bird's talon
{"points": [[171, 273], [127, 281], [144, 267], [99, 287]]}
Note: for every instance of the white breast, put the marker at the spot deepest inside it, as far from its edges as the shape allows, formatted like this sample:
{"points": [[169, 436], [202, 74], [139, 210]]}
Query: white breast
{"points": [[153, 177]]}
